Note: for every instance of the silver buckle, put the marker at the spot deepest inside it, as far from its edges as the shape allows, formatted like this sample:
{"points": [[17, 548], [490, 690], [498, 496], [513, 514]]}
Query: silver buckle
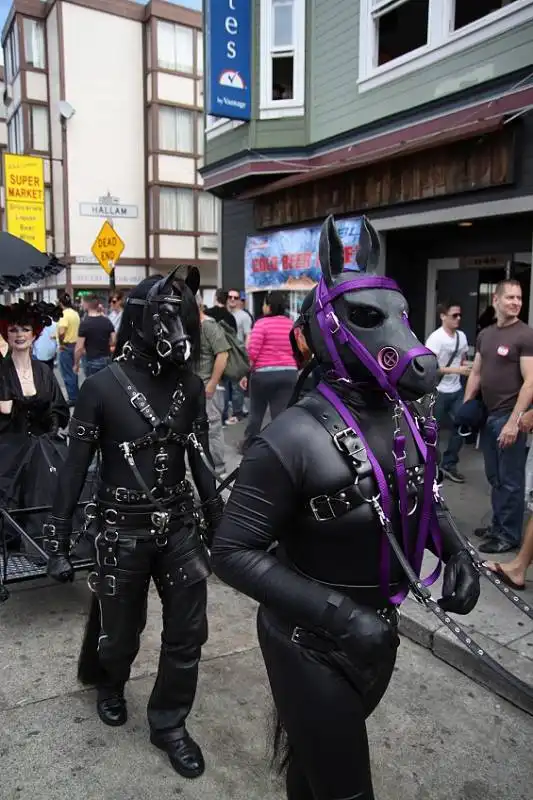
{"points": [[136, 397], [51, 546], [295, 636], [160, 519], [121, 494], [321, 498], [111, 582], [339, 439]]}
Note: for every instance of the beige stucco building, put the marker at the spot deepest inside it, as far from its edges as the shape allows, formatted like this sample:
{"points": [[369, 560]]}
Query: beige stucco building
{"points": [[110, 94]]}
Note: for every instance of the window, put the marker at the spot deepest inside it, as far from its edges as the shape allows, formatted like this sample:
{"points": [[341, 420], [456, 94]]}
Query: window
{"points": [[176, 130], [282, 57], [401, 29], [200, 53], [34, 47], [466, 12], [207, 213], [48, 207], [15, 133], [39, 128], [176, 209], [11, 54], [397, 37], [200, 133], [175, 47]]}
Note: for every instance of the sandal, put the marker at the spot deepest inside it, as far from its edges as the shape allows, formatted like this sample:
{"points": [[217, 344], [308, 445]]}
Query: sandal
{"points": [[498, 570]]}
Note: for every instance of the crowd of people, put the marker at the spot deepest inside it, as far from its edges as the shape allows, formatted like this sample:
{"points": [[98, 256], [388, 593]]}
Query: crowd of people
{"points": [[492, 394]]}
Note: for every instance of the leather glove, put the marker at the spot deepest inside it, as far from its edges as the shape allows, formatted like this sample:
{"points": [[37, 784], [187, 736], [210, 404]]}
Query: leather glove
{"points": [[213, 511], [57, 534], [460, 589], [365, 636]]}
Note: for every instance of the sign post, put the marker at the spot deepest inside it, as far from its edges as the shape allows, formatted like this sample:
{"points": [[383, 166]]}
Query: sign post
{"points": [[107, 249], [25, 199]]}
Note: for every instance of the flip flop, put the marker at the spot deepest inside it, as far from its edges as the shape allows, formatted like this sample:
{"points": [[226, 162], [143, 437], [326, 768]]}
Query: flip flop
{"points": [[518, 587]]}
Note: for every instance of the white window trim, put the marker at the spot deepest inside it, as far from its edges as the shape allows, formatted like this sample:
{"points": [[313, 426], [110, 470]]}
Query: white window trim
{"points": [[221, 125], [442, 41], [295, 107]]}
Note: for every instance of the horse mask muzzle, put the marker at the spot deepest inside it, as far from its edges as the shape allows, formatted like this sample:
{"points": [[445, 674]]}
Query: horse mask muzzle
{"points": [[361, 319], [162, 324]]}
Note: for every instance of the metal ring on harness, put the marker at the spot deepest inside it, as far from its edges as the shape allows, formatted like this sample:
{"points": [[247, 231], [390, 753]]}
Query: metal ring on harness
{"points": [[160, 348], [110, 516], [90, 514]]}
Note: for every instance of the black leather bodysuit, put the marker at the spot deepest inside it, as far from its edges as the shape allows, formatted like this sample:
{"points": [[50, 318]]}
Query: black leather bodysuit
{"points": [[298, 537], [130, 549]]}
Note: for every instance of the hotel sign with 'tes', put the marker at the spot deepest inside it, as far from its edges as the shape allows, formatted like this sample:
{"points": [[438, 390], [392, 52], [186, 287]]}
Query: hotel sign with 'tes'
{"points": [[25, 199], [229, 58]]}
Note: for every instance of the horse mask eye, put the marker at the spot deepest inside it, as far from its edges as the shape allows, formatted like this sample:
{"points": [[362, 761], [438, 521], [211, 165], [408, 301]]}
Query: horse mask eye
{"points": [[366, 316]]}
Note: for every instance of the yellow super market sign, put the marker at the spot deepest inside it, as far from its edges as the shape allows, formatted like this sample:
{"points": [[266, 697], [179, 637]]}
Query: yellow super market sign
{"points": [[25, 199]]}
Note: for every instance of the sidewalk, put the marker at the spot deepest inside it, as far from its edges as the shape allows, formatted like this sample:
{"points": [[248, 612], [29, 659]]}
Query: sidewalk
{"points": [[503, 631]]}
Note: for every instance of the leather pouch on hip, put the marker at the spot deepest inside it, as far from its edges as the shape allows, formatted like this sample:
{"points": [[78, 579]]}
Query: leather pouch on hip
{"points": [[193, 569]]}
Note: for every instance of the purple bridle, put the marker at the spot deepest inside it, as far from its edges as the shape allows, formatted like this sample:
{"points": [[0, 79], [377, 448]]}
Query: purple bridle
{"points": [[387, 374]]}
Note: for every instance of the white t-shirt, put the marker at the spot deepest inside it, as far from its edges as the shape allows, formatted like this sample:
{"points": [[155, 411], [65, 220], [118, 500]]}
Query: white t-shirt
{"points": [[443, 346]]}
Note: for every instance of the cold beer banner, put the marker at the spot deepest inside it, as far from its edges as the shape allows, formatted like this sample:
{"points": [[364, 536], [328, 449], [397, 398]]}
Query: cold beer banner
{"points": [[25, 199], [229, 58], [289, 259]]}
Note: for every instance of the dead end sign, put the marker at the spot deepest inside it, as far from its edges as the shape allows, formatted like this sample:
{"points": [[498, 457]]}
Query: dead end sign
{"points": [[107, 247]]}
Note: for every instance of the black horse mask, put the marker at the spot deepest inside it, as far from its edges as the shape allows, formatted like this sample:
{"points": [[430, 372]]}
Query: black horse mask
{"points": [[169, 324], [357, 322]]}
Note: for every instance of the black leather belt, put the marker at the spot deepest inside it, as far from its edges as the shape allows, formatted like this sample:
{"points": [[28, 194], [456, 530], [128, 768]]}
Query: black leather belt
{"points": [[119, 519], [120, 494], [322, 642]]}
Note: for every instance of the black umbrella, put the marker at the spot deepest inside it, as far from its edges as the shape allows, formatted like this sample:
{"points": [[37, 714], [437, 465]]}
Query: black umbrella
{"points": [[22, 264]]}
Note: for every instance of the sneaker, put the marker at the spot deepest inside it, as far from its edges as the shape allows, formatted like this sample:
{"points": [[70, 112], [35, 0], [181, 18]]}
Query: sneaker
{"points": [[232, 421], [453, 475]]}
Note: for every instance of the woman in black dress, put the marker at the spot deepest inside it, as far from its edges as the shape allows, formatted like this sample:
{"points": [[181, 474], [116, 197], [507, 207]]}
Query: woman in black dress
{"points": [[32, 411]]}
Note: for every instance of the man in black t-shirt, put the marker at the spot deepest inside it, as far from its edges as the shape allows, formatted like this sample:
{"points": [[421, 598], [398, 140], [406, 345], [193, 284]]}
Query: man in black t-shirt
{"points": [[96, 339], [219, 311]]}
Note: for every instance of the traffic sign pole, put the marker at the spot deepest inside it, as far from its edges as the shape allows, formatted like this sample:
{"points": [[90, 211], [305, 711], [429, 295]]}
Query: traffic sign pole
{"points": [[111, 264]]}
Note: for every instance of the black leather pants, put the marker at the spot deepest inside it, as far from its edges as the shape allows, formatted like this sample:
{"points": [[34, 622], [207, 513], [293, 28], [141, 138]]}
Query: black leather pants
{"points": [[179, 570], [322, 700]]}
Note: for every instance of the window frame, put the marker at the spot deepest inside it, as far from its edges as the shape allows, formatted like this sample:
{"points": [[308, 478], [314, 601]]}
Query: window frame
{"points": [[295, 107], [17, 119], [176, 189], [12, 54], [443, 41], [175, 68], [38, 25], [43, 109], [216, 212], [162, 108]]}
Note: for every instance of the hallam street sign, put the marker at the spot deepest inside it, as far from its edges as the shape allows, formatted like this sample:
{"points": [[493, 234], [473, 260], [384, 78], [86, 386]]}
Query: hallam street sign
{"points": [[109, 207]]}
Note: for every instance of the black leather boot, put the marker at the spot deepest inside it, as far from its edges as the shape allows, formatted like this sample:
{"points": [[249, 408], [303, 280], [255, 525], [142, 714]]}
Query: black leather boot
{"points": [[111, 706], [183, 753]]}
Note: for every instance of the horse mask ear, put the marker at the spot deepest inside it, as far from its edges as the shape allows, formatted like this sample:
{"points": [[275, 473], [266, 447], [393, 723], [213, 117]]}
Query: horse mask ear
{"points": [[369, 247], [165, 287], [193, 280], [330, 251]]}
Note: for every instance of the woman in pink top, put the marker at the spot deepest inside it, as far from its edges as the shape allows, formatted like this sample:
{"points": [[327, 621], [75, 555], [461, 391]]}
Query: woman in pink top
{"points": [[273, 369]]}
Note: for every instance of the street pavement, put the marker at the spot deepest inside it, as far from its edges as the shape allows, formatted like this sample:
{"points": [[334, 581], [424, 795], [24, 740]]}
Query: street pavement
{"points": [[436, 736]]}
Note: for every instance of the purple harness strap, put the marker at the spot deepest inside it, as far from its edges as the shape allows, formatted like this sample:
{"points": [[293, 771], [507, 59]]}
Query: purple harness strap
{"points": [[334, 332]]}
